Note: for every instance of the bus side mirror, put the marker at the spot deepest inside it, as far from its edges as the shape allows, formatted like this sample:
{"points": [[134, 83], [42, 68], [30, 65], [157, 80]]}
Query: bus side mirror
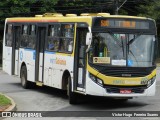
{"points": [[88, 38]]}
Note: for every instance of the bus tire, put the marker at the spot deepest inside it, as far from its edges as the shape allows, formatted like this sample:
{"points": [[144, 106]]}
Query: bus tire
{"points": [[25, 84], [72, 96]]}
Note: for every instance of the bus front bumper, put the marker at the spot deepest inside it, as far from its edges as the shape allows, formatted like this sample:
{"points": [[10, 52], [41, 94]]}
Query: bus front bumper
{"points": [[93, 88]]}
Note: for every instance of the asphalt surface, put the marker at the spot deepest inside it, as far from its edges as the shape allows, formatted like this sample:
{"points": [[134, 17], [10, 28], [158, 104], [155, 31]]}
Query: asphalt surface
{"points": [[50, 99]]}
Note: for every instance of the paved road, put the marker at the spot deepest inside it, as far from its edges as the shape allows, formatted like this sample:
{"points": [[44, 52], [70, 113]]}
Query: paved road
{"points": [[49, 99]]}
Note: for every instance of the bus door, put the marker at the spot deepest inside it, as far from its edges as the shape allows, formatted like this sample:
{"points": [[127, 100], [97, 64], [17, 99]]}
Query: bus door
{"points": [[7, 50], [15, 49], [80, 60], [40, 46]]}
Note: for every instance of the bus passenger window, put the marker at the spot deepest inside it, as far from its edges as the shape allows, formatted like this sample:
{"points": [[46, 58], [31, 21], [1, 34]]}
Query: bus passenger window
{"points": [[67, 37], [56, 44], [67, 30], [32, 29], [53, 37], [25, 29], [70, 46], [24, 38], [9, 35], [63, 45], [32, 37], [50, 38], [66, 45]]}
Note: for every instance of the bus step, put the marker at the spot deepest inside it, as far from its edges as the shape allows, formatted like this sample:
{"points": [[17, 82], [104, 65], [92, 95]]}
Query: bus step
{"points": [[39, 83], [80, 92]]}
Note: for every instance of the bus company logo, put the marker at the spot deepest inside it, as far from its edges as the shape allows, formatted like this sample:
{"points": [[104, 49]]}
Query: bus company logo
{"points": [[118, 82], [52, 60], [58, 61]]}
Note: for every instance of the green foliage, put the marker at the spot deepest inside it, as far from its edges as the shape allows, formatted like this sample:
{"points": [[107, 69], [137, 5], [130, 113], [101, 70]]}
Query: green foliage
{"points": [[123, 12], [15, 8], [150, 9], [78, 3], [4, 101], [83, 6]]}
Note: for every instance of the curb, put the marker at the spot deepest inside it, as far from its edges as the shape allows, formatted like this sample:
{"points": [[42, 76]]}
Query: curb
{"points": [[13, 106]]}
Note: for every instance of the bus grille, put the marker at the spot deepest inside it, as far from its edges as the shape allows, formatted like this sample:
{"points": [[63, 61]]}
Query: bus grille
{"points": [[118, 71], [116, 89], [124, 71]]}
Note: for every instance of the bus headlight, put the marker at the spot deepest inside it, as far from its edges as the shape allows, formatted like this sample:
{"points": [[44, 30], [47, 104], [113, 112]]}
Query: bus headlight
{"points": [[96, 80], [151, 81], [92, 77], [99, 81]]}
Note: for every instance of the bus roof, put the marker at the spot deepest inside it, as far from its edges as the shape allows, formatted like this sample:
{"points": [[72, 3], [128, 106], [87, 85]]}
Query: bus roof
{"points": [[58, 17]]}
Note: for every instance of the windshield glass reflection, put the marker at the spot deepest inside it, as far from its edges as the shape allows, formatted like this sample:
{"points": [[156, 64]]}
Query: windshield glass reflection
{"points": [[132, 50]]}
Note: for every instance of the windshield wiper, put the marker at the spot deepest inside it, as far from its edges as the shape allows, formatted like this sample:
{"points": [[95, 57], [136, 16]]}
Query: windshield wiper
{"points": [[115, 38], [133, 39]]}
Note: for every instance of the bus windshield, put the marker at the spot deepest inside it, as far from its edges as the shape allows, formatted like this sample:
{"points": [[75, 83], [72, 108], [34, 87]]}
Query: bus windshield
{"points": [[116, 49]]}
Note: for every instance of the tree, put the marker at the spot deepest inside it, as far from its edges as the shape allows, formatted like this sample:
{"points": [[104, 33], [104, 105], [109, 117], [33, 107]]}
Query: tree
{"points": [[84, 6], [150, 9], [15, 8]]}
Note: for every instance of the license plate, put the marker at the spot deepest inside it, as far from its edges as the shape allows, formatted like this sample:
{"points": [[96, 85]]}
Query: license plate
{"points": [[125, 91]]}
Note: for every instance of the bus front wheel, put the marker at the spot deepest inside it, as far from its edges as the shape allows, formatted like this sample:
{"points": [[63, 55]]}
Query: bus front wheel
{"points": [[24, 82], [72, 96]]}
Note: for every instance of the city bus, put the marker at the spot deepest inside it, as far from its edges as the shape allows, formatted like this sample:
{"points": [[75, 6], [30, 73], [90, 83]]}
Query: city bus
{"points": [[94, 54]]}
